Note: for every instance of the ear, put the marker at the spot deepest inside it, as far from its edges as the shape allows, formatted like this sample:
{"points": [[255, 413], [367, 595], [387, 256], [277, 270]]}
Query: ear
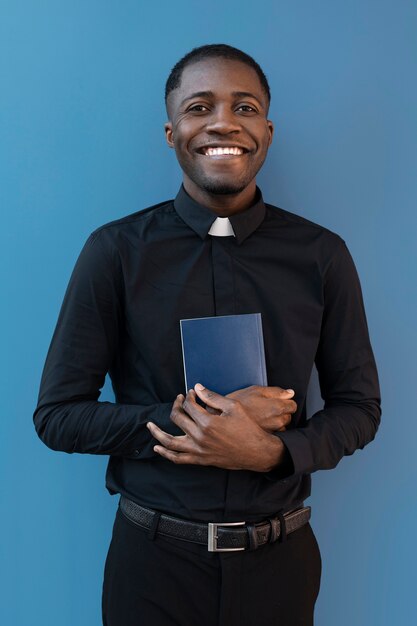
{"points": [[169, 136], [271, 129]]}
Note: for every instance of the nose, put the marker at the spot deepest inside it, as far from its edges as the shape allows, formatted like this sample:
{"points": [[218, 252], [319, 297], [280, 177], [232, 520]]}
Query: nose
{"points": [[223, 121]]}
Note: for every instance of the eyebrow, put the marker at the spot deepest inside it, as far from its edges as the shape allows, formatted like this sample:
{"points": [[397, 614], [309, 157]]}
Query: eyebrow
{"points": [[210, 94], [199, 94], [245, 94]]}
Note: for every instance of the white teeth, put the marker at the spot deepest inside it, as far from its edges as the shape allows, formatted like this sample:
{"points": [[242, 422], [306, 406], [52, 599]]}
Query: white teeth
{"points": [[220, 151]]}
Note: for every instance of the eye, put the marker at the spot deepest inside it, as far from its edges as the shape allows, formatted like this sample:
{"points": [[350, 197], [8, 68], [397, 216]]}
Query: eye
{"points": [[247, 108], [198, 108]]}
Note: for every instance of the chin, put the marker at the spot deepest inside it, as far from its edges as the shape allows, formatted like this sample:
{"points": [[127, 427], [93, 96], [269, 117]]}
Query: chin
{"points": [[223, 188]]}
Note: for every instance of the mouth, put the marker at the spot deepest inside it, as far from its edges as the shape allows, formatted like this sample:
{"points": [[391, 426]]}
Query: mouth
{"points": [[222, 151]]}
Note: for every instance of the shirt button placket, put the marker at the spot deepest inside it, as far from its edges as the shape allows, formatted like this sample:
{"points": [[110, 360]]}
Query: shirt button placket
{"points": [[223, 284], [225, 304]]}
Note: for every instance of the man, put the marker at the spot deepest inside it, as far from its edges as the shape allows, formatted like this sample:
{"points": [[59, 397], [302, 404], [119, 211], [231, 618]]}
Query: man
{"points": [[244, 460]]}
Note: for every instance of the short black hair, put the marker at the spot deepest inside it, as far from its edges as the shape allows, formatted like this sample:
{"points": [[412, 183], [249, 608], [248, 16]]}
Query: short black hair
{"points": [[212, 51]]}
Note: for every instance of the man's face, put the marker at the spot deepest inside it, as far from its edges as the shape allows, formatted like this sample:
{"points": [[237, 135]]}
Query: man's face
{"points": [[219, 127]]}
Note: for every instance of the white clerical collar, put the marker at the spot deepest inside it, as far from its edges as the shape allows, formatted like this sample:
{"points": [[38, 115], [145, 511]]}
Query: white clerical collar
{"points": [[221, 227]]}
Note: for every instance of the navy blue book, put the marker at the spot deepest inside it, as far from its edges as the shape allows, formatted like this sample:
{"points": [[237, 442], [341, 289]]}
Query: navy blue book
{"points": [[223, 353]]}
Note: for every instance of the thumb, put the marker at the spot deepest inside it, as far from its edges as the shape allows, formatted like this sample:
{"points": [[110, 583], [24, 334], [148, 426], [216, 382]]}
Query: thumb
{"points": [[274, 392], [211, 398]]}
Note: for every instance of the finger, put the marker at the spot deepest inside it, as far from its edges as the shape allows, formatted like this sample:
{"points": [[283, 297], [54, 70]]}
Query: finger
{"points": [[185, 422], [195, 410], [178, 443], [286, 419], [180, 458], [178, 401], [273, 392], [212, 411], [158, 433], [291, 406], [281, 407], [182, 419], [283, 420], [280, 422], [177, 404], [213, 399]]}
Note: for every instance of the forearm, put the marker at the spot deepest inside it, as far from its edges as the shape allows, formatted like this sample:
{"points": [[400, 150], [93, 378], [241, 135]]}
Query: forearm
{"points": [[330, 434], [93, 427]]}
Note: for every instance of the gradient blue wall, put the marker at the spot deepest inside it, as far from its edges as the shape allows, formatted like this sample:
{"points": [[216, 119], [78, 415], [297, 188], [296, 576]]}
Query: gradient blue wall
{"points": [[82, 143]]}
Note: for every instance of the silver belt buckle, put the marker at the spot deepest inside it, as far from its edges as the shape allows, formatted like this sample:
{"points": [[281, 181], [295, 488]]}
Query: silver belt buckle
{"points": [[212, 537]]}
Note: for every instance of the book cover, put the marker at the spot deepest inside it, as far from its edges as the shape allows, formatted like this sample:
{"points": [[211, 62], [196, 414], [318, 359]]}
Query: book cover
{"points": [[223, 353]]}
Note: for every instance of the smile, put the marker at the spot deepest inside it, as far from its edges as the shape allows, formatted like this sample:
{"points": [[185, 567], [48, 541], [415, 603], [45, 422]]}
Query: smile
{"points": [[221, 151]]}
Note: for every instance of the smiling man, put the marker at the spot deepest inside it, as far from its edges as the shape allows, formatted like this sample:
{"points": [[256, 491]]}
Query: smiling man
{"points": [[220, 131], [211, 528]]}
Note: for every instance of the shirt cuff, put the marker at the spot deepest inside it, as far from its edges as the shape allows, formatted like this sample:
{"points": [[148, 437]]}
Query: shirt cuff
{"points": [[299, 449], [284, 469], [160, 417]]}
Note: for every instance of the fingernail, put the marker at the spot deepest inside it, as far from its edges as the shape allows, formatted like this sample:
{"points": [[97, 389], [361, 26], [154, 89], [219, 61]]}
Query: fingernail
{"points": [[290, 390], [199, 387]]}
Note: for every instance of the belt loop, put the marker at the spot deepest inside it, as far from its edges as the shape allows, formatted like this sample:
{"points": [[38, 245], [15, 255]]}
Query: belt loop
{"points": [[253, 537], [154, 525], [274, 534], [283, 535]]}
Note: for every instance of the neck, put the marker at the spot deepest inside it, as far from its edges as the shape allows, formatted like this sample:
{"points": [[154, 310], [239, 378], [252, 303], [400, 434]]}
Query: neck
{"points": [[223, 205]]}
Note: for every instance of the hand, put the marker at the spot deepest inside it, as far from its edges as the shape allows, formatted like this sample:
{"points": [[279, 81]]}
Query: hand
{"points": [[270, 407], [231, 439]]}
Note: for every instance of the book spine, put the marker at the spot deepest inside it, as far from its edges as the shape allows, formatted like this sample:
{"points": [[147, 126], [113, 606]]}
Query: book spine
{"points": [[261, 349], [183, 359]]}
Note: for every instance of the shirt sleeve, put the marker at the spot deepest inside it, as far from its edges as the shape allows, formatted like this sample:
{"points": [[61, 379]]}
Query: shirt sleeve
{"points": [[347, 375], [68, 415]]}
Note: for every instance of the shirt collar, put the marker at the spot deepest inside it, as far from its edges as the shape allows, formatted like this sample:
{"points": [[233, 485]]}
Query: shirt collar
{"points": [[200, 218]]}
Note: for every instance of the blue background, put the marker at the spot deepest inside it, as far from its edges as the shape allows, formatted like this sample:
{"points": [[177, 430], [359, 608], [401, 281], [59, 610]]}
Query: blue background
{"points": [[82, 143]]}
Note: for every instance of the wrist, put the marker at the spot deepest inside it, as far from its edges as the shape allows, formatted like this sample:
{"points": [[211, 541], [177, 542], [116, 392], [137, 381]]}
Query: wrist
{"points": [[275, 452]]}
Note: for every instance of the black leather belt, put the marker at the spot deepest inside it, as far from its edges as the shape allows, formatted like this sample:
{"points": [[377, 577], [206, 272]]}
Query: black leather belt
{"points": [[218, 537]]}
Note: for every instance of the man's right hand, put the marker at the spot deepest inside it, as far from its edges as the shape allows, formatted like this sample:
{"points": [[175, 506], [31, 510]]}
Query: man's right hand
{"points": [[270, 407]]}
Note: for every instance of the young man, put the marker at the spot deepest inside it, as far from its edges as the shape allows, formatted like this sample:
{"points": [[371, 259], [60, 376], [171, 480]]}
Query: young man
{"points": [[238, 466]]}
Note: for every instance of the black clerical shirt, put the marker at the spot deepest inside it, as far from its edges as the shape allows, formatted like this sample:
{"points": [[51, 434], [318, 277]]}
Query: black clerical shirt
{"points": [[136, 278]]}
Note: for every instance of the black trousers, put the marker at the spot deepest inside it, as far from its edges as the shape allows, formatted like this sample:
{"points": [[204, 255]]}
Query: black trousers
{"points": [[168, 582]]}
